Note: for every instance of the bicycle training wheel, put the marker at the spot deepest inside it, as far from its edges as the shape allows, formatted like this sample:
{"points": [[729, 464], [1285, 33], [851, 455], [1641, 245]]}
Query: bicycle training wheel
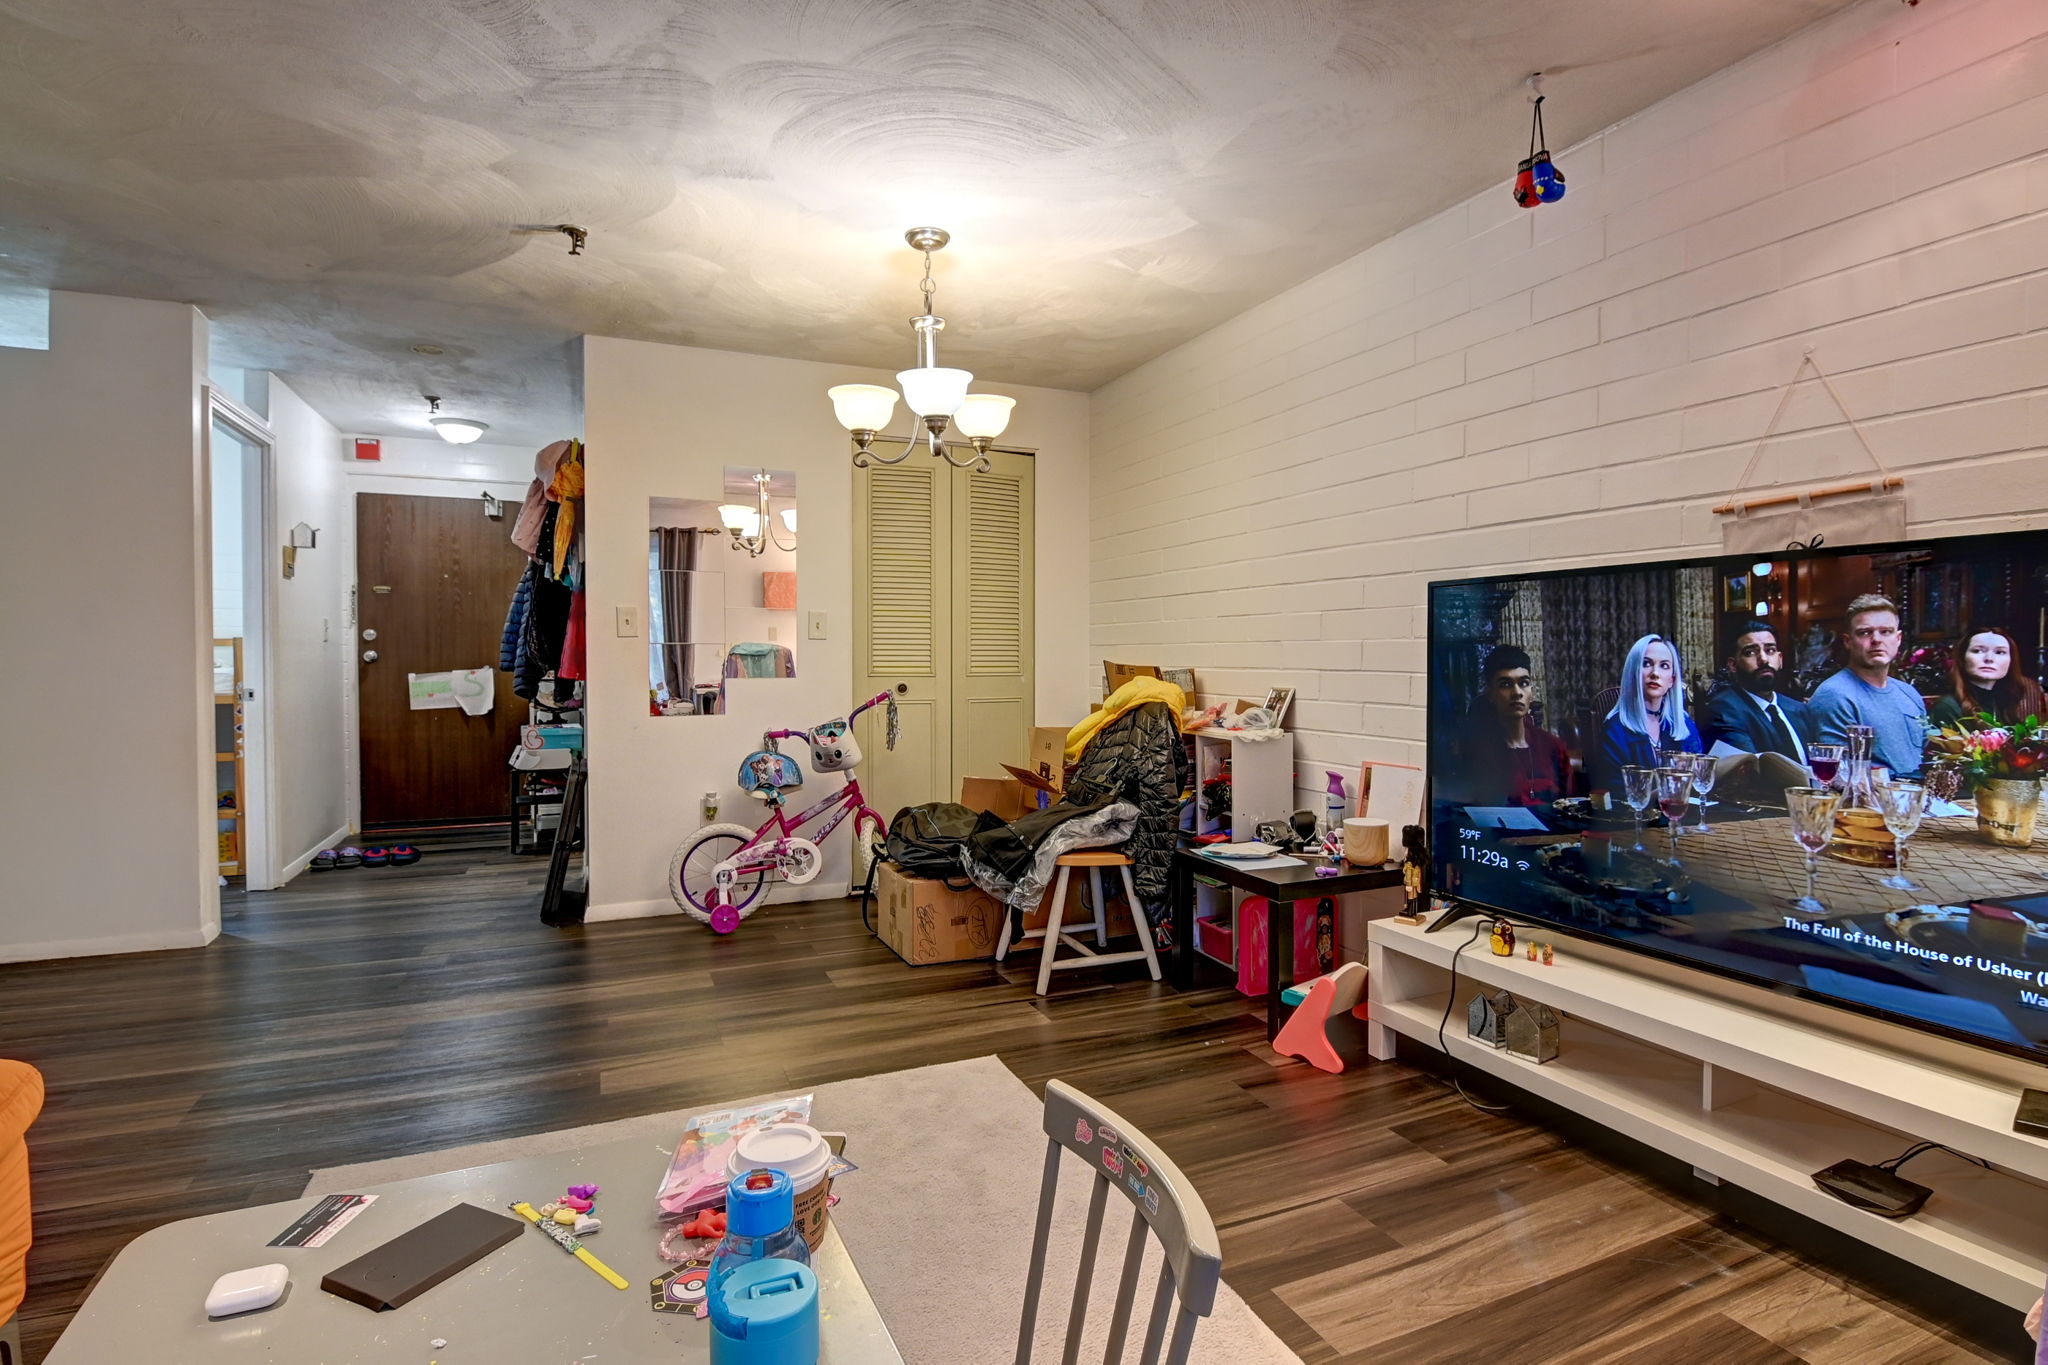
{"points": [[690, 879]]}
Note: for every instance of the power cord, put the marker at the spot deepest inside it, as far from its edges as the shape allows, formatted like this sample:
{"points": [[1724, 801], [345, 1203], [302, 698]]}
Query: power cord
{"points": [[1450, 999], [1919, 1147]]}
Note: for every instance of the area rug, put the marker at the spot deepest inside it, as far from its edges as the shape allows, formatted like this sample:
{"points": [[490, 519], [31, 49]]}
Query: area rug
{"points": [[938, 1217]]}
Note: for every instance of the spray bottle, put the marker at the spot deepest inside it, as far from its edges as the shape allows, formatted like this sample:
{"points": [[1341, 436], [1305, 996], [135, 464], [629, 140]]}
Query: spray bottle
{"points": [[1335, 805]]}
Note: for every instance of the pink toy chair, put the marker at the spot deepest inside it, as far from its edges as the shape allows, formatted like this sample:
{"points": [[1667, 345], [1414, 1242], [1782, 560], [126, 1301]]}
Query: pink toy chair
{"points": [[1306, 1034]]}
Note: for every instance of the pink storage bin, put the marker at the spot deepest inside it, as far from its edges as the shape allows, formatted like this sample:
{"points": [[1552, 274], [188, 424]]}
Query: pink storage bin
{"points": [[1251, 944]]}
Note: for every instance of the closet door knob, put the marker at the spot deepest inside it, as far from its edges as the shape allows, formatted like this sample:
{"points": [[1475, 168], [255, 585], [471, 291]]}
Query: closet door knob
{"points": [[369, 656]]}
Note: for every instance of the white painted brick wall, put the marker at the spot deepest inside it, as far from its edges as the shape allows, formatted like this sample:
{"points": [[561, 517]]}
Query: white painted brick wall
{"points": [[1495, 388]]}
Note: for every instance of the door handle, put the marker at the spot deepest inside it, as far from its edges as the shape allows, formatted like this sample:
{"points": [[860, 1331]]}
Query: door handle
{"points": [[902, 689], [369, 656]]}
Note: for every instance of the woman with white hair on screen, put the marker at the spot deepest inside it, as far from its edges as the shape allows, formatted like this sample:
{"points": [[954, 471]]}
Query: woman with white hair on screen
{"points": [[1649, 716]]}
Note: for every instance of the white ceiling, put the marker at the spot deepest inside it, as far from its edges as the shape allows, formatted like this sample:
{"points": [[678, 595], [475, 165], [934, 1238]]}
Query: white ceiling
{"points": [[333, 180]]}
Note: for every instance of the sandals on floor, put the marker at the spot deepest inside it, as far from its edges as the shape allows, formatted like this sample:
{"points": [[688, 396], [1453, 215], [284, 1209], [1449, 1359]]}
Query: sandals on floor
{"points": [[403, 855], [376, 857], [350, 856], [324, 861]]}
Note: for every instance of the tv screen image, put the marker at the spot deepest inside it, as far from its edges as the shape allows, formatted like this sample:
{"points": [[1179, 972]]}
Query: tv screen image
{"points": [[1658, 755]]}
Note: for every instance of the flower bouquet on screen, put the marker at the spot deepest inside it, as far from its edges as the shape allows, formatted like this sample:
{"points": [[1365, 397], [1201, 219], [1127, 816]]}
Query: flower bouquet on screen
{"points": [[2003, 766]]}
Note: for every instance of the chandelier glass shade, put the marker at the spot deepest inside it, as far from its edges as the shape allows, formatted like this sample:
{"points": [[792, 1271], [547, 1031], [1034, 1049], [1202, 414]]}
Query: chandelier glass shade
{"points": [[936, 394]]}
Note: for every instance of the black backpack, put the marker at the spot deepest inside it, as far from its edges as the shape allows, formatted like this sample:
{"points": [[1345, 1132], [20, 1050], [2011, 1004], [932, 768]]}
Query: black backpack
{"points": [[925, 841]]}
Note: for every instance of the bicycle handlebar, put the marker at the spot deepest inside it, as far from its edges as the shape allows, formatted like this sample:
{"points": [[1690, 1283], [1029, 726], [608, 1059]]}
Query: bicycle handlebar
{"points": [[875, 700]]}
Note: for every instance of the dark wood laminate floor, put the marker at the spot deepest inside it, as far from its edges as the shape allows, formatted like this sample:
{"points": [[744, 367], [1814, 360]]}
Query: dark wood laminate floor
{"points": [[1371, 1216]]}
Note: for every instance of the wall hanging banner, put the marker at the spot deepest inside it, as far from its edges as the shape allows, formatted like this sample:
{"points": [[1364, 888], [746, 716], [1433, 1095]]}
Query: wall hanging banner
{"points": [[1878, 517]]}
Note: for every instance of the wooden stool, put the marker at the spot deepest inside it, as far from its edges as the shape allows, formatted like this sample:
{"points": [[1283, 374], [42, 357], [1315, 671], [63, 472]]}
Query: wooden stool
{"points": [[1094, 860]]}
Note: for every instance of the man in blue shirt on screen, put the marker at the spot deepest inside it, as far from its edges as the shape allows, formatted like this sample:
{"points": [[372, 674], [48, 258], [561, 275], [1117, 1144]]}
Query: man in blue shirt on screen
{"points": [[1865, 693]]}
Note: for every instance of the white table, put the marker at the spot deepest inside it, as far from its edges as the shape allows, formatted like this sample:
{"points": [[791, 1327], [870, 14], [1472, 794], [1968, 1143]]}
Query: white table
{"points": [[526, 1301]]}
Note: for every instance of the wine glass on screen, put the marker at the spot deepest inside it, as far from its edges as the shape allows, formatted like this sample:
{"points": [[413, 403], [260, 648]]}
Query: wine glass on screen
{"points": [[1902, 804], [1703, 775], [1639, 788], [1813, 824], [1674, 793], [1825, 762]]}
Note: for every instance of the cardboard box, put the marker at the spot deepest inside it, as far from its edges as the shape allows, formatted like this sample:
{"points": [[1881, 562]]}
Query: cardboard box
{"points": [[926, 921], [1004, 796], [1049, 754]]}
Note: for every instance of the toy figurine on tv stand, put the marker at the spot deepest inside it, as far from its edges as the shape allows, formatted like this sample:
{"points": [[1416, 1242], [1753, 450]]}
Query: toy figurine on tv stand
{"points": [[1414, 873]]}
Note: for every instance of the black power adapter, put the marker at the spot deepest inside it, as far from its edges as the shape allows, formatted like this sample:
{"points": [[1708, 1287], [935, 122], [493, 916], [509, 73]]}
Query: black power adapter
{"points": [[1872, 1188]]}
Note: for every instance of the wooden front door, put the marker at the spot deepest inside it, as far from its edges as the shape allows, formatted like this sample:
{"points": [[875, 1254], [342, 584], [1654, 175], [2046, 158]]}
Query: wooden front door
{"points": [[434, 577]]}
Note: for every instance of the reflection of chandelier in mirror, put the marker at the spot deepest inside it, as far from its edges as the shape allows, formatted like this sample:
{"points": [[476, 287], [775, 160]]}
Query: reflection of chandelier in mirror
{"points": [[753, 528], [936, 396]]}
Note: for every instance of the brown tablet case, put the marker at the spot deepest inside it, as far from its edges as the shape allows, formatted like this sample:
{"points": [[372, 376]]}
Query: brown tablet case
{"points": [[413, 1262]]}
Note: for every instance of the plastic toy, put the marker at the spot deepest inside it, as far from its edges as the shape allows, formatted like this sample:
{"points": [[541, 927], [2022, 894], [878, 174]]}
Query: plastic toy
{"points": [[718, 874], [706, 1223], [1305, 1034]]}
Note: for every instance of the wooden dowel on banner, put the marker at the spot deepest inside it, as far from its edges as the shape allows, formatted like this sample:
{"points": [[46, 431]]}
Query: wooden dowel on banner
{"points": [[1890, 481]]}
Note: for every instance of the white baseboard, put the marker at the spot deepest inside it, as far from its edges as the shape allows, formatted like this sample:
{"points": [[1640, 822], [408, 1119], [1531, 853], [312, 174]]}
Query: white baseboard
{"points": [[300, 863], [149, 942], [816, 891]]}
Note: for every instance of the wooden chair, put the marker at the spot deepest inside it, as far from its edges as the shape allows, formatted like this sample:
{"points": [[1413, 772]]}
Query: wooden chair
{"points": [[1094, 860], [1161, 1199]]}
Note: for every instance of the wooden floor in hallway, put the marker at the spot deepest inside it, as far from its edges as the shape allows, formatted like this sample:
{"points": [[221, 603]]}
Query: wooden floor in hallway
{"points": [[1371, 1216]]}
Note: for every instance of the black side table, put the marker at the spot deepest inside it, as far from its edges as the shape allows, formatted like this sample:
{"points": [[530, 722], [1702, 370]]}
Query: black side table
{"points": [[1282, 887]]}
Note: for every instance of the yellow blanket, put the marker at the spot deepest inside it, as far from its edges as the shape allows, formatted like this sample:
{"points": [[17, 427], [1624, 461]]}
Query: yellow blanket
{"points": [[1129, 697]]}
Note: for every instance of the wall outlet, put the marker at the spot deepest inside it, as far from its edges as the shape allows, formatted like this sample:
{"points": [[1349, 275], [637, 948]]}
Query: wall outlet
{"points": [[628, 621], [815, 622]]}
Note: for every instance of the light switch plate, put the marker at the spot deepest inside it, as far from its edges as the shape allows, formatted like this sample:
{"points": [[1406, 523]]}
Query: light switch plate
{"points": [[816, 623], [628, 622]]}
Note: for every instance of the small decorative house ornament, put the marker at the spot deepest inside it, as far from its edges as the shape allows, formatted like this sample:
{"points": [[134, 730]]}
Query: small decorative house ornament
{"points": [[1532, 1033], [1486, 1018]]}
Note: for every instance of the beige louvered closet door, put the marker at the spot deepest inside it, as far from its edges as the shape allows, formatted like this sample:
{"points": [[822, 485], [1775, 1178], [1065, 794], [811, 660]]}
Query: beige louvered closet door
{"points": [[942, 597], [992, 608]]}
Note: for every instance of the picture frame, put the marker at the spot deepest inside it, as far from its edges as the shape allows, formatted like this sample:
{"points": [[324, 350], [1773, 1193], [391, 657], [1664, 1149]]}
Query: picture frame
{"points": [[1277, 701]]}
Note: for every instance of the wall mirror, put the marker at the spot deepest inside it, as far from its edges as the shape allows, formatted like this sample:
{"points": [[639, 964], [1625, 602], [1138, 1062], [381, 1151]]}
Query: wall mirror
{"points": [[721, 589]]}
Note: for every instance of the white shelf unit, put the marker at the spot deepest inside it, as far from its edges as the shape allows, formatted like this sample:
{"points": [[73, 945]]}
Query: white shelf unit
{"points": [[1261, 780], [1748, 1098]]}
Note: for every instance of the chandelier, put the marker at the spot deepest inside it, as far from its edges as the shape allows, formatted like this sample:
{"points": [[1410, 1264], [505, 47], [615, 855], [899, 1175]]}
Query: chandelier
{"points": [[753, 528], [935, 395]]}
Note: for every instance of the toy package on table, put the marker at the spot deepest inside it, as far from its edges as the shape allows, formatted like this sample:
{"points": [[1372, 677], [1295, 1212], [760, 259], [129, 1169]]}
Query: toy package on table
{"points": [[697, 1173]]}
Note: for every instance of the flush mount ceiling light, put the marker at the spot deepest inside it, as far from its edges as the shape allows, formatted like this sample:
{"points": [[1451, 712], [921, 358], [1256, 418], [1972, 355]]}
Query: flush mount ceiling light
{"points": [[937, 396], [753, 528], [457, 431]]}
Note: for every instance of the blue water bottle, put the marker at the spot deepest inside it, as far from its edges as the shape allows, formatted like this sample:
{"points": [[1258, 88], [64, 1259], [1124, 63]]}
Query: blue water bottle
{"points": [[760, 1214], [765, 1313]]}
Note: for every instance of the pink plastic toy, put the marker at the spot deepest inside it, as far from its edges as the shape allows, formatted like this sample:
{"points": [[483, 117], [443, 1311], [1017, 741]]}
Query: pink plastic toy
{"points": [[1305, 1034]]}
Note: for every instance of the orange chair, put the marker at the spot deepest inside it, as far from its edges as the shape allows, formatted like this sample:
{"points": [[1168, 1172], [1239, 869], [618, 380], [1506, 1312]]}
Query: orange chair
{"points": [[21, 1099]]}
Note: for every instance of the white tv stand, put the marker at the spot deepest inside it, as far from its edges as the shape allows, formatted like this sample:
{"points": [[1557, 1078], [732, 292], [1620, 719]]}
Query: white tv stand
{"points": [[1746, 1096]]}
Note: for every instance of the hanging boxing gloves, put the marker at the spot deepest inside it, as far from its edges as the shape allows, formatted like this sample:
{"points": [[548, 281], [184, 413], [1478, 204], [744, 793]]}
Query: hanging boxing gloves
{"points": [[1537, 180]]}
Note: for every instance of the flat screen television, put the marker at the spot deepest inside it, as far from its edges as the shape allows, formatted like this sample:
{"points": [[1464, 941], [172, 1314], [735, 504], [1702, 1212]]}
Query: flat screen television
{"points": [[1636, 753]]}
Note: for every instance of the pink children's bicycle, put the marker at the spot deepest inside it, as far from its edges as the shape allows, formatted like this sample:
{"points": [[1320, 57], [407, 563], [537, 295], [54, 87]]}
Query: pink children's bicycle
{"points": [[719, 873]]}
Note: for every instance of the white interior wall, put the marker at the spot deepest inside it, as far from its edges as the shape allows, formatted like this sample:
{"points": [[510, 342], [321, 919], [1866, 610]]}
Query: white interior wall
{"points": [[663, 421], [309, 644], [106, 826], [1499, 388]]}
